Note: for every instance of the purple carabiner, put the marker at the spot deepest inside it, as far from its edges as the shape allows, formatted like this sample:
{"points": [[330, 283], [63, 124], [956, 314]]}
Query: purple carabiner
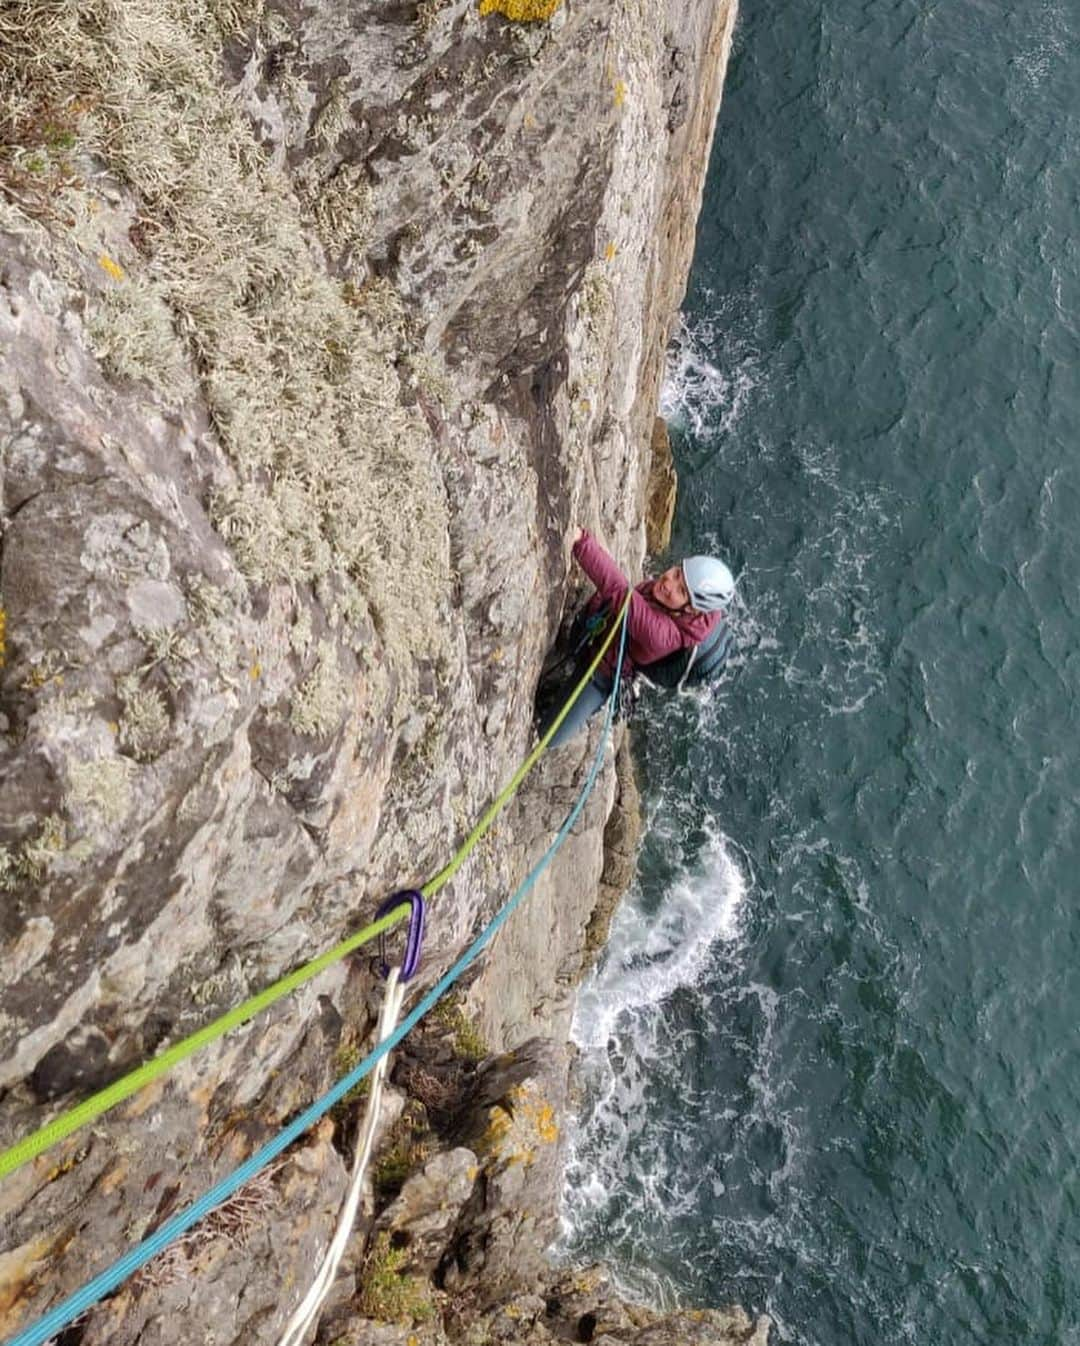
{"points": [[415, 938]]}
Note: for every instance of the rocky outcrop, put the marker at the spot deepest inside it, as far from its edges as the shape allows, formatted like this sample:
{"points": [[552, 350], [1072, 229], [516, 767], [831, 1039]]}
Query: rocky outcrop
{"points": [[457, 1254], [663, 486], [319, 326]]}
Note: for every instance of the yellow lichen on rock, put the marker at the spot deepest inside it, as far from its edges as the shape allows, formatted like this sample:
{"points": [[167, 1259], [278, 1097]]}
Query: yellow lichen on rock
{"points": [[521, 11], [110, 267], [547, 1128]]}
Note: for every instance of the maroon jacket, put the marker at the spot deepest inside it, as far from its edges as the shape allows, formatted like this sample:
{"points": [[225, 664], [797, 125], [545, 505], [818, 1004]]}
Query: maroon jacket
{"points": [[654, 630]]}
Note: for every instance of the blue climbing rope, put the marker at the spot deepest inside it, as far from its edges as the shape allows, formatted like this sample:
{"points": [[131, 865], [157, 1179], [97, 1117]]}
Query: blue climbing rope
{"points": [[114, 1276]]}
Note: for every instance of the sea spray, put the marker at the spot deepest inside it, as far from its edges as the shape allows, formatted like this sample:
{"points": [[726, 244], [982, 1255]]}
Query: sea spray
{"points": [[631, 1042], [651, 955], [698, 397]]}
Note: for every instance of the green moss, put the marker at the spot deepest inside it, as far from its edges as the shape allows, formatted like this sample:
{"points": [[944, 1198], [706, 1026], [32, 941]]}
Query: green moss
{"points": [[59, 137], [385, 1292], [394, 1167], [468, 1042], [348, 1055]]}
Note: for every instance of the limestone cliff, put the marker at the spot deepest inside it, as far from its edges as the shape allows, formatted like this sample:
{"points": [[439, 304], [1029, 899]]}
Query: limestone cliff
{"points": [[321, 325]]}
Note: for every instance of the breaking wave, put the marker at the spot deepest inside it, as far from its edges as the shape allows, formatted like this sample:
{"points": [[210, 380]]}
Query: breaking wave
{"points": [[697, 396], [651, 955]]}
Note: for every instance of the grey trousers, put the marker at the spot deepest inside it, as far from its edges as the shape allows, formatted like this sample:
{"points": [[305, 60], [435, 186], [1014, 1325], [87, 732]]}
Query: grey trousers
{"points": [[593, 697]]}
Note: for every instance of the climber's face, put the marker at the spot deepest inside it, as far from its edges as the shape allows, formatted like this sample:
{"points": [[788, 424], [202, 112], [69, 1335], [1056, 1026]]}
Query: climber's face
{"points": [[670, 590]]}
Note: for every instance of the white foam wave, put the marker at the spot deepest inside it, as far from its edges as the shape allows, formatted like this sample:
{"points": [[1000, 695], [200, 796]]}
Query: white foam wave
{"points": [[696, 395], [1038, 62], [651, 955]]}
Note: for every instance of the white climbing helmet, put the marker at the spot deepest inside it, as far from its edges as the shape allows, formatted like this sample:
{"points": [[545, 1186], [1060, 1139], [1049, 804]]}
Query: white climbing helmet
{"points": [[710, 582]]}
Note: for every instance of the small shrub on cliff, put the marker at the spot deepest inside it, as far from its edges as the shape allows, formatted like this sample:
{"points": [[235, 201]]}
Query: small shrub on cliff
{"points": [[405, 1149], [468, 1041], [386, 1292]]}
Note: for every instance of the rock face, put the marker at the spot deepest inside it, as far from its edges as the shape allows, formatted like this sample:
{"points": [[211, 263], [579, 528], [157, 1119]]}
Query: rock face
{"points": [[663, 487], [320, 326]]}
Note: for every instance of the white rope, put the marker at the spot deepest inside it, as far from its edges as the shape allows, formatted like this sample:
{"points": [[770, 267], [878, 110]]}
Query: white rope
{"points": [[690, 664], [307, 1312]]}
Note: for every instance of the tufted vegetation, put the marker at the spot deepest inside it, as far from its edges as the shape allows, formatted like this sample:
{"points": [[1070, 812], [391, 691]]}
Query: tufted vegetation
{"points": [[386, 1292], [29, 861], [333, 474]]}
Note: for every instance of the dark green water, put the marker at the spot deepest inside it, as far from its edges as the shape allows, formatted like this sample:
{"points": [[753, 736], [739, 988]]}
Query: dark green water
{"points": [[832, 1058]]}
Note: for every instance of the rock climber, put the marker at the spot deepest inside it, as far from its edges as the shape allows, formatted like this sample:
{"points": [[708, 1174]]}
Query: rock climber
{"points": [[675, 612]]}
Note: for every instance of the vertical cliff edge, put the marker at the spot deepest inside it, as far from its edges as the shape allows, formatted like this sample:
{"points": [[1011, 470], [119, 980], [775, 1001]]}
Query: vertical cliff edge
{"points": [[322, 324]]}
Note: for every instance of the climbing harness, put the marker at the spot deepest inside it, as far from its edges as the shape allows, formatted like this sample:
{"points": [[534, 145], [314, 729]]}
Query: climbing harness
{"points": [[113, 1276], [308, 1309], [91, 1108]]}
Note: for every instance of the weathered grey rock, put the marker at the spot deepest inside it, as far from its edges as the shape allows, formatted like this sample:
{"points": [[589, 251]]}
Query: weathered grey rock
{"points": [[513, 1125], [621, 837], [663, 487], [423, 1215], [300, 393]]}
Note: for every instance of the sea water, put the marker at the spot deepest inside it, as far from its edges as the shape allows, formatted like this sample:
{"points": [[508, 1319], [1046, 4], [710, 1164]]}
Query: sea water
{"points": [[830, 1060]]}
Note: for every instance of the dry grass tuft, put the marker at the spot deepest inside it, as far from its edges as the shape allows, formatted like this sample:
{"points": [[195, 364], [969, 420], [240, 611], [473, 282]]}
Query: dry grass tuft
{"points": [[333, 473], [234, 1222], [145, 722], [29, 860]]}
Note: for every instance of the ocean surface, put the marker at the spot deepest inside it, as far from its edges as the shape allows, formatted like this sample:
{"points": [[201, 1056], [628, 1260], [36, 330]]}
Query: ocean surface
{"points": [[830, 1061]]}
